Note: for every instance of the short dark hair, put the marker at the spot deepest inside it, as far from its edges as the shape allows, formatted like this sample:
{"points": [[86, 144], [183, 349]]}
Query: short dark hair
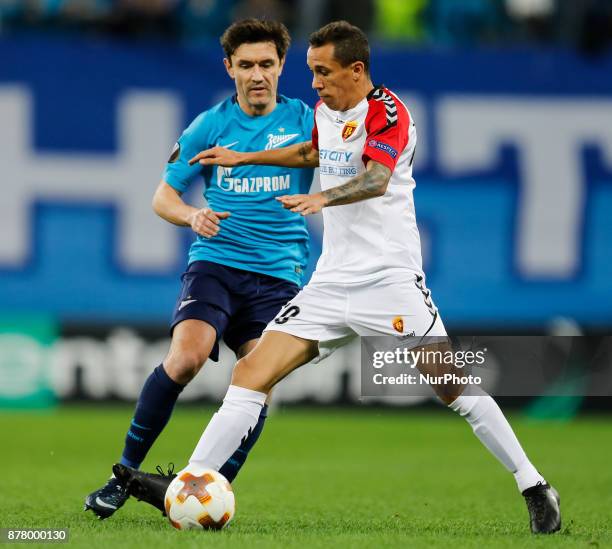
{"points": [[350, 42], [250, 31]]}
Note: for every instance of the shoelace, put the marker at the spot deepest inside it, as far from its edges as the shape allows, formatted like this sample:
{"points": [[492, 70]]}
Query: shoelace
{"points": [[113, 490], [170, 471]]}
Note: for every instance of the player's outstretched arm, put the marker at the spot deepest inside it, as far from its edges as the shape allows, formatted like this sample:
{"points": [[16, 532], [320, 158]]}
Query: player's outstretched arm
{"points": [[168, 204], [370, 184], [300, 155]]}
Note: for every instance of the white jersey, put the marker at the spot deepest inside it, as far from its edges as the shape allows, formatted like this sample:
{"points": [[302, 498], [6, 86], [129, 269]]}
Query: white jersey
{"points": [[369, 279], [361, 239]]}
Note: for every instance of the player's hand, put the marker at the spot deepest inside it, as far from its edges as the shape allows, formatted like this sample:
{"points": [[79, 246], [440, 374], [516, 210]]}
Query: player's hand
{"points": [[217, 156], [206, 223], [304, 204]]}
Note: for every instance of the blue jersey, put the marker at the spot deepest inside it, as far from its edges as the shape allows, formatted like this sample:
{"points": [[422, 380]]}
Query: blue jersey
{"points": [[260, 235]]}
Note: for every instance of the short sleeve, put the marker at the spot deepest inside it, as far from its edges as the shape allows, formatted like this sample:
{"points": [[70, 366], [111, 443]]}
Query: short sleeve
{"points": [[307, 122], [387, 126], [315, 136], [178, 173], [315, 131]]}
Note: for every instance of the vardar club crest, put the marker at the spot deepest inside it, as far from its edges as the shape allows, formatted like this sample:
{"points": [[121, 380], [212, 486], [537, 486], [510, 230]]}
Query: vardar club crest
{"points": [[398, 324], [349, 129]]}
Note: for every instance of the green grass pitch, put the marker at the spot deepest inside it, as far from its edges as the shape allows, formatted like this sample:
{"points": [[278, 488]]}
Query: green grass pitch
{"points": [[318, 478]]}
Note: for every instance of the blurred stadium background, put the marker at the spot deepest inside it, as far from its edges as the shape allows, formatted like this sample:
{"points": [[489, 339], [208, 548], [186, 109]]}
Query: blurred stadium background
{"points": [[513, 104]]}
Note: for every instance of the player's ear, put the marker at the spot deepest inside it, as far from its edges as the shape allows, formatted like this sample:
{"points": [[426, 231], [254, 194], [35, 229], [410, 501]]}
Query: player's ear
{"points": [[358, 70], [281, 66], [228, 67]]}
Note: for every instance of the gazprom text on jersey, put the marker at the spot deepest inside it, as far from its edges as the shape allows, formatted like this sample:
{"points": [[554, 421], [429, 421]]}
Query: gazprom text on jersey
{"points": [[255, 184]]}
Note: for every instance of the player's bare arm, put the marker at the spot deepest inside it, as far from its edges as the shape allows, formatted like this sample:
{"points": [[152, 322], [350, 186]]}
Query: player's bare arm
{"points": [[370, 184], [300, 155], [168, 204]]}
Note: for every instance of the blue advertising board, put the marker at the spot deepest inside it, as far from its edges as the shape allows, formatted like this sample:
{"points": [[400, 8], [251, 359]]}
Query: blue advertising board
{"points": [[513, 171]]}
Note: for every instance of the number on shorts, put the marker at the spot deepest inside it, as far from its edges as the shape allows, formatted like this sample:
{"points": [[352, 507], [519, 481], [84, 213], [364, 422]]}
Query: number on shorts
{"points": [[287, 313]]}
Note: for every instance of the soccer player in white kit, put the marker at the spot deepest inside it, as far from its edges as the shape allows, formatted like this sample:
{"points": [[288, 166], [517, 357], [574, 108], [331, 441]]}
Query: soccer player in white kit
{"points": [[369, 279]]}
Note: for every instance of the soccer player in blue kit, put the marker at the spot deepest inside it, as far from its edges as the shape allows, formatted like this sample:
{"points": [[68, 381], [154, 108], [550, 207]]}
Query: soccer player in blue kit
{"points": [[249, 255]]}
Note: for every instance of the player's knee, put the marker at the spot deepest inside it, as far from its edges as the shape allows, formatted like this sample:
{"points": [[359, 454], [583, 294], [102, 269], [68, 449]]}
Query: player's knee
{"points": [[447, 396], [184, 364], [251, 376]]}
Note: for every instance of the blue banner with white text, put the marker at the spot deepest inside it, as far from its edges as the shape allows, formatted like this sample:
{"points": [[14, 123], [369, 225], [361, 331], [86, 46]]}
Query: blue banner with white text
{"points": [[513, 169]]}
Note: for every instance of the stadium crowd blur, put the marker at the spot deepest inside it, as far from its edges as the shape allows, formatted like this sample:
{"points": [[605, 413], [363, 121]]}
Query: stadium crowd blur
{"points": [[585, 25]]}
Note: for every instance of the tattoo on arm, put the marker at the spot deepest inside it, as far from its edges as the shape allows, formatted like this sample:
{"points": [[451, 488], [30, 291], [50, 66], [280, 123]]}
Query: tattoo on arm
{"points": [[369, 184], [304, 150], [307, 153]]}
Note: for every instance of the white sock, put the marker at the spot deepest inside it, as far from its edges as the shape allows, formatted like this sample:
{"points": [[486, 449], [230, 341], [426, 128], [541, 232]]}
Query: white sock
{"points": [[492, 428], [226, 429]]}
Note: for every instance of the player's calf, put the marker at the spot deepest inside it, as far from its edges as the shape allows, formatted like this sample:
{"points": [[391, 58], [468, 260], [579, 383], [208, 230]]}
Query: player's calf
{"points": [[435, 367]]}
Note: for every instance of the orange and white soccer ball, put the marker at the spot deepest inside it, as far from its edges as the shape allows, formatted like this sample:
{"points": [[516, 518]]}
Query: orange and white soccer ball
{"points": [[199, 498]]}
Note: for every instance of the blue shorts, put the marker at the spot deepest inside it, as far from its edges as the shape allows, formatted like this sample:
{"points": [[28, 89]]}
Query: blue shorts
{"points": [[237, 304]]}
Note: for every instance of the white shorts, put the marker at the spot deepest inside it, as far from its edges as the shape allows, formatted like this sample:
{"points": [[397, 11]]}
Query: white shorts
{"points": [[397, 304]]}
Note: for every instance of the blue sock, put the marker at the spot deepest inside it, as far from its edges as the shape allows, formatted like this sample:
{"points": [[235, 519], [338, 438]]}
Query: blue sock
{"points": [[231, 467], [153, 410]]}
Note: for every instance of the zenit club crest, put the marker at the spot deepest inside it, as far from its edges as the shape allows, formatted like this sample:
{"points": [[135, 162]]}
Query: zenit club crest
{"points": [[349, 129], [398, 324]]}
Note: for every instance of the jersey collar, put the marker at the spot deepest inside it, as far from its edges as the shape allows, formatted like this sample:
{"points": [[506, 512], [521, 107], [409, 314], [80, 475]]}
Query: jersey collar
{"points": [[373, 90]]}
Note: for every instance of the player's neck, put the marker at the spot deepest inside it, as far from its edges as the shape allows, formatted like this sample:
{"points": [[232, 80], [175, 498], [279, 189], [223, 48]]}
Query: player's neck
{"points": [[253, 111], [361, 91]]}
